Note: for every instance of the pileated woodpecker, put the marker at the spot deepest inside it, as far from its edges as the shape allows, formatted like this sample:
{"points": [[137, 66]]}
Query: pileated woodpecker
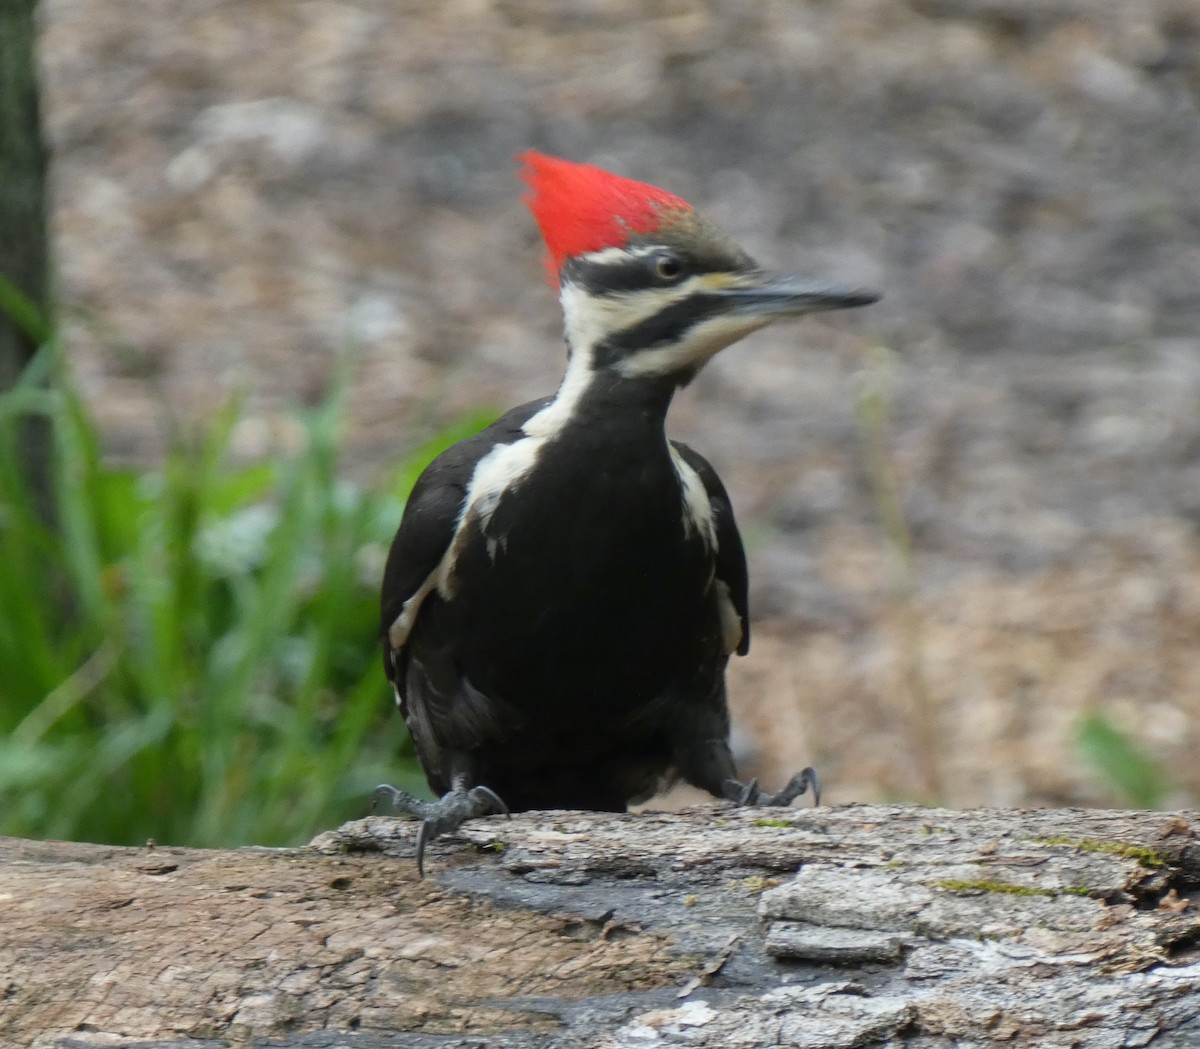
{"points": [[567, 586]]}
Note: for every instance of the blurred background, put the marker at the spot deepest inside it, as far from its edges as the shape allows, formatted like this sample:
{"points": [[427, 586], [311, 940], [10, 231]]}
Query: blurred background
{"points": [[292, 262]]}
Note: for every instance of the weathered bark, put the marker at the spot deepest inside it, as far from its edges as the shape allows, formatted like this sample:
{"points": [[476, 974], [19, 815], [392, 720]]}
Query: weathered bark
{"points": [[863, 925]]}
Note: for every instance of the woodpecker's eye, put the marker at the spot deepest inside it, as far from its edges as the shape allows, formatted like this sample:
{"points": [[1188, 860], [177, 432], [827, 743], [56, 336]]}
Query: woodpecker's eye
{"points": [[668, 267]]}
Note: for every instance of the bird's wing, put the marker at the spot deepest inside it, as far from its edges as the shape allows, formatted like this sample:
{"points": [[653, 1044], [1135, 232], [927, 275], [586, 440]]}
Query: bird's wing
{"points": [[730, 556], [427, 529]]}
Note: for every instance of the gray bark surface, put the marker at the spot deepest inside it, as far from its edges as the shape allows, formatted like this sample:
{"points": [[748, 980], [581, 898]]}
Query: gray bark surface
{"points": [[835, 927]]}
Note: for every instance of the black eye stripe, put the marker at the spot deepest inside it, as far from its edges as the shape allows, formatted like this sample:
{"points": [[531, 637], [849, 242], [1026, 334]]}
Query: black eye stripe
{"points": [[663, 328], [634, 273]]}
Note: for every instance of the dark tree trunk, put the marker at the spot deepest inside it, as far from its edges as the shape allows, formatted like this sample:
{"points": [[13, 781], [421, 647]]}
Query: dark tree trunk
{"points": [[23, 237], [23, 255]]}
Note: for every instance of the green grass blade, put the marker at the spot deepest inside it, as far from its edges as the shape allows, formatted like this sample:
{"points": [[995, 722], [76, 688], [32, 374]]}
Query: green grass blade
{"points": [[1117, 758]]}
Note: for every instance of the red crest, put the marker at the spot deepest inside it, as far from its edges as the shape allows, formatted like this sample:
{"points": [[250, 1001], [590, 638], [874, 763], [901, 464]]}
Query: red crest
{"points": [[581, 208]]}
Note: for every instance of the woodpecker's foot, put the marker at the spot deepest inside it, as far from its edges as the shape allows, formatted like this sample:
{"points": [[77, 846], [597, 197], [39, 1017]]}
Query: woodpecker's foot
{"points": [[443, 816], [749, 793]]}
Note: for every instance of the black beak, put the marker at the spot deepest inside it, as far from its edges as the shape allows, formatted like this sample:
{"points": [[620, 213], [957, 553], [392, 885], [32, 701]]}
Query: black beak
{"points": [[770, 295]]}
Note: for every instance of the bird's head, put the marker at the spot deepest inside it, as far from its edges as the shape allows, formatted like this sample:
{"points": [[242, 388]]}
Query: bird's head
{"points": [[650, 288]]}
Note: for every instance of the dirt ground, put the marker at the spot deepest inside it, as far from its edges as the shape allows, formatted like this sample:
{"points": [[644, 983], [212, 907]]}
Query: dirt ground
{"points": [[242, 191]]}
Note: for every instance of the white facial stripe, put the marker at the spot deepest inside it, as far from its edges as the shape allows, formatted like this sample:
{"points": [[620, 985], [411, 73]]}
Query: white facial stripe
{"points": [[605, 256], [591, 318], [702, 341], [554, 416]]}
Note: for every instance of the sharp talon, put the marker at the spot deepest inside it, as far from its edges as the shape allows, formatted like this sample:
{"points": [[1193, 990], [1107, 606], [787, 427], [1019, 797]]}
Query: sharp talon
{"points": [[797, 785], [814, 783], [422, 840], [492, 798]]}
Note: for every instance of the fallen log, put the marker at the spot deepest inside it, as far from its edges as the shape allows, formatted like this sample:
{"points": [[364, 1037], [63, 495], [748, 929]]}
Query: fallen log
{"points": [[832, 927]]}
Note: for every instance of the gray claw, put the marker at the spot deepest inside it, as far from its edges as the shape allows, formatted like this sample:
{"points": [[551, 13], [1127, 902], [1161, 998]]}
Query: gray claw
{"points": [[443, 816], [745, 794], [805, 780], [399, 799], [749, 794]]}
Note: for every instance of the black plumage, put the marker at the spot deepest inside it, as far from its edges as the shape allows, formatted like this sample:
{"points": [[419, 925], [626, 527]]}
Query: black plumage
{"points": [[566, 587], [580, 662]]}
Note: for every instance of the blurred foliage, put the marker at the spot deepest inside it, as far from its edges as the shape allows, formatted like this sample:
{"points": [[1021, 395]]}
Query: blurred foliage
{"points": [[190, 652], [1112, 753], [23, 312]]}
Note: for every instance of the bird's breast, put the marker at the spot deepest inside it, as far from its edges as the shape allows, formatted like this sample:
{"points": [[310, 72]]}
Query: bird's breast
{"points": [[584, 573]]}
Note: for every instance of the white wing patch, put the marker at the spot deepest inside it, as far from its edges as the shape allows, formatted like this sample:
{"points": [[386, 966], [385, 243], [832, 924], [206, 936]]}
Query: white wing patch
{"points": [[731, 622], [697, 507], [494, 474], [402, 625], [498, 471]]}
